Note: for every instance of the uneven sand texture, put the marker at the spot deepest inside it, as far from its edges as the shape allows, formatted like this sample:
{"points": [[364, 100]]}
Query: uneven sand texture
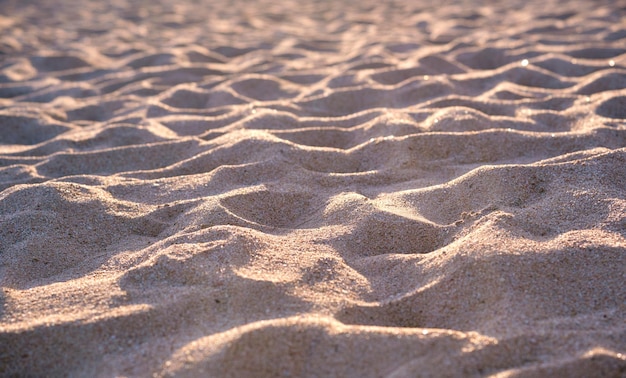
{"points": [[325, 188]]}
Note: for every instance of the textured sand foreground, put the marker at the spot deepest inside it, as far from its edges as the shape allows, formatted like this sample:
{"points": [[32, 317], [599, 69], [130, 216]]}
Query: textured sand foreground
{"points": [[360, 189]]}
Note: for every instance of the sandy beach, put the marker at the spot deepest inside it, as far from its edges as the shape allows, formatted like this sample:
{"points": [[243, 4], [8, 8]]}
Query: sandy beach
{"points": [[312, 189]]}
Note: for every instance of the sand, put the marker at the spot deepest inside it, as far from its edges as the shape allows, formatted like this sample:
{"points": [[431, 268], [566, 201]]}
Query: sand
{"points": [[308, 189]]}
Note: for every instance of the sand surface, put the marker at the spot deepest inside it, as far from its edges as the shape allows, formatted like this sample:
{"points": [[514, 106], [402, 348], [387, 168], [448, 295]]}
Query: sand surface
{"points": [[323, 188]]}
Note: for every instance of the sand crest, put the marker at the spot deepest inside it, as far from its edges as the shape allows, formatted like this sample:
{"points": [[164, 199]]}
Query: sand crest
{"points": [[365, 189]]}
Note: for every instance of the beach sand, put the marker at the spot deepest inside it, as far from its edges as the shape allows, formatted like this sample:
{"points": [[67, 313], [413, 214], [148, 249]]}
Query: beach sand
{"points": [[312, 189]]}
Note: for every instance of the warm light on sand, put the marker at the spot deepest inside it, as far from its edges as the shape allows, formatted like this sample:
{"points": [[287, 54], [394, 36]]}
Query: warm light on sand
{"points": [[270, 188]]}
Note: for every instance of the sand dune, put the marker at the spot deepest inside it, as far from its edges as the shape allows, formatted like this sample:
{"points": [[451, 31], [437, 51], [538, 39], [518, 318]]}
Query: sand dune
{"points": [[396, 188]]}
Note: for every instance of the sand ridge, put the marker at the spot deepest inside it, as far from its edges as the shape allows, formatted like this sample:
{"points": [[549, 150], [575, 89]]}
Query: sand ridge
{"points": [[269, 188]]}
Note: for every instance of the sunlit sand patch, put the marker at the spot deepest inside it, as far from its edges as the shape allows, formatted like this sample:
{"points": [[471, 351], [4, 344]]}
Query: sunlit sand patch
{"points": [[261, 188]]}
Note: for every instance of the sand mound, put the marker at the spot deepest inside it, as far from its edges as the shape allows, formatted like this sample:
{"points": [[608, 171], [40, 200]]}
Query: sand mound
{"points": [[202, 188]]}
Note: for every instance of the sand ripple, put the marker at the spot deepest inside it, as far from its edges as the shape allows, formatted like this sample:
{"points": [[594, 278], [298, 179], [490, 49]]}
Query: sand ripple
{"points": [[373, 189]]}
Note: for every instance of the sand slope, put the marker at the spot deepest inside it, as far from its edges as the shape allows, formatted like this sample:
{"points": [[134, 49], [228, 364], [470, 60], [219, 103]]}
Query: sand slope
{"points": [[397, 189]]}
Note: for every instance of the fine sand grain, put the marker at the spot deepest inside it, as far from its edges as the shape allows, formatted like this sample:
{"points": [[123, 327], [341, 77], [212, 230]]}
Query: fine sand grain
{"points": [[325, 188]]}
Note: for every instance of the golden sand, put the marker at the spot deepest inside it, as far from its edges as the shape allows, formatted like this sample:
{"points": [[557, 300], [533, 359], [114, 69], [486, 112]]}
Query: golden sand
{"points": [[309, 189]]}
